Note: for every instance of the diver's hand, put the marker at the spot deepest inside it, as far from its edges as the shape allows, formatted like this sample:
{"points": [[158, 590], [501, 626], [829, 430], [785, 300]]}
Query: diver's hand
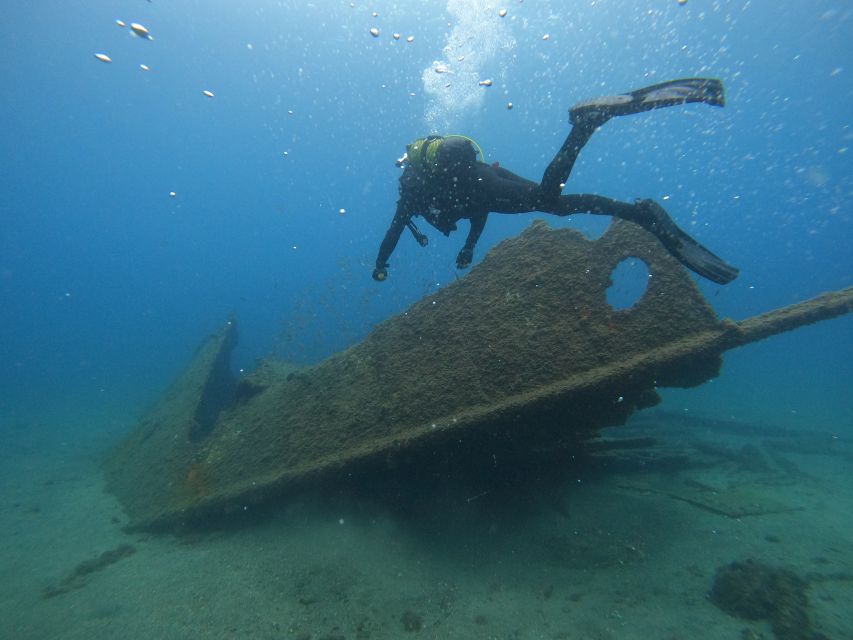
{"points": [[380, 272], [464, 258], [422, 239]]}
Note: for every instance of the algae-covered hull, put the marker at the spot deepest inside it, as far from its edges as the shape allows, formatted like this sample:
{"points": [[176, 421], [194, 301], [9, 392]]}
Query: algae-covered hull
{"points": [[521, 355]]}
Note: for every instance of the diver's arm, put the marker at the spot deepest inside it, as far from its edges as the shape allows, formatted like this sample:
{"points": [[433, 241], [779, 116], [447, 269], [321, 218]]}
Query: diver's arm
{"points": [[389, 243], [478, 223]]}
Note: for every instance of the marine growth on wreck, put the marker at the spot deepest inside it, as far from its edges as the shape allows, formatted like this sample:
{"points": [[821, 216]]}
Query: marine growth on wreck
{"points": [[522, 356]]}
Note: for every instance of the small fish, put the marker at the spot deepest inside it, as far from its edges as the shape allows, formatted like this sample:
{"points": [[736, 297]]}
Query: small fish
{"points": [[141, 31], [103, 57], [209, 94]]}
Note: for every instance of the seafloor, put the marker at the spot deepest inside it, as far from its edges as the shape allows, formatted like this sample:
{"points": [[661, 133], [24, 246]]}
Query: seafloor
{"points": [[624, 544]]}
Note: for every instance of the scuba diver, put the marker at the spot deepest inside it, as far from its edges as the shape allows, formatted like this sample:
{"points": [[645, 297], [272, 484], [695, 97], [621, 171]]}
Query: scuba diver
{"points": [[444, 182]]}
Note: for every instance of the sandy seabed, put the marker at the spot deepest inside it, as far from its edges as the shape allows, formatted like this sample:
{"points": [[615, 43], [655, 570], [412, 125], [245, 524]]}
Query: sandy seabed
{"points": [[618, 550]]}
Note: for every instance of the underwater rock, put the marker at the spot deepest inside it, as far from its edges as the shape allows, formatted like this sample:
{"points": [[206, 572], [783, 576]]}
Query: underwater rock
{"points": [[76, 579], [753, 590], [412, 622], [522, 356]]}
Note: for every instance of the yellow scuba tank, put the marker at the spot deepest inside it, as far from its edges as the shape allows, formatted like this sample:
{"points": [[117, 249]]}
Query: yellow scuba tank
{"points": [[423, 153]]}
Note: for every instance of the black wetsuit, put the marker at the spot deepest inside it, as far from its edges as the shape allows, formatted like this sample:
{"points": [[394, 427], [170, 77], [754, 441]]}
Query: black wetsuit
{"points": [[463, 187]]}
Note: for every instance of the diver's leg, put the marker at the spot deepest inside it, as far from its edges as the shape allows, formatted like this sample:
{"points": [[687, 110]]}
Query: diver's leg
{"points": [[654, 219], [509, 175], [589, 115], [560, 167], [502, 191], [571, 204]]}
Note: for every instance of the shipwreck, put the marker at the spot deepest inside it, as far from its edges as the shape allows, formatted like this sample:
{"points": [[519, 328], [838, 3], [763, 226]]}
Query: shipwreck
{"points": [[522, 355]]}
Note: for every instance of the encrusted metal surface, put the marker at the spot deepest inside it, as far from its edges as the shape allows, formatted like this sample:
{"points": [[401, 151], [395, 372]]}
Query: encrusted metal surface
{"points": [[522, 354]]}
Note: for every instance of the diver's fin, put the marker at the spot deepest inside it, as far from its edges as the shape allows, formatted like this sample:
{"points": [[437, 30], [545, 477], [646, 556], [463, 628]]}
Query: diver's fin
{"points": [[681, 246], [666, 94], [699, 260]]}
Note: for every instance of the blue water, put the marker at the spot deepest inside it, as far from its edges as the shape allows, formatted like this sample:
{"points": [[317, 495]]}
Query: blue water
{"points": [[108, 283], [137, 215]]}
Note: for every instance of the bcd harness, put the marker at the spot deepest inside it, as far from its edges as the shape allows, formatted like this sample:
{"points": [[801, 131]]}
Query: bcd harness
{"points": [[422, 154]]}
